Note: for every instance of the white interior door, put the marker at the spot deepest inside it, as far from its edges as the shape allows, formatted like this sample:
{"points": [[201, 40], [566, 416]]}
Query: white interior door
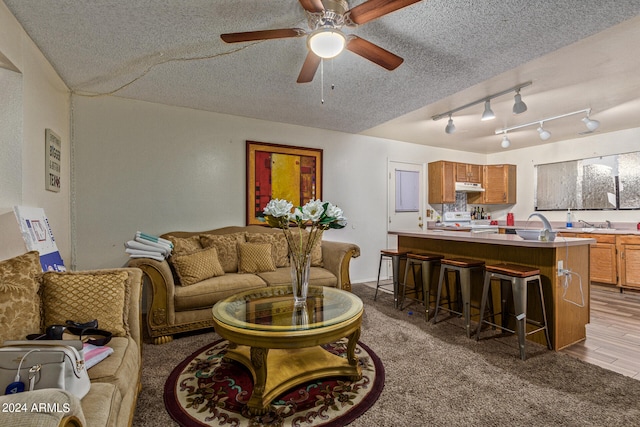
{"points": [[406, 196]]}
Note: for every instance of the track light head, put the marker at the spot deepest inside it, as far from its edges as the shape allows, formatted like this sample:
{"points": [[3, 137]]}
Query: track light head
{"points": [[451, 128], [544, 134], [487, 114], [591, 124], [505, 141], [519, 107]]}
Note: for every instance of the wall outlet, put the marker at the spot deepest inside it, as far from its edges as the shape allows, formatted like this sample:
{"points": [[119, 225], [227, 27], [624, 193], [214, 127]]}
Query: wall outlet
{"points": [[560, 268]]}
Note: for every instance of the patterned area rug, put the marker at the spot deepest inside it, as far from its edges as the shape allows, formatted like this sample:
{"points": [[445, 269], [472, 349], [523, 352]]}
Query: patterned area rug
{"points": [[206, 390]]}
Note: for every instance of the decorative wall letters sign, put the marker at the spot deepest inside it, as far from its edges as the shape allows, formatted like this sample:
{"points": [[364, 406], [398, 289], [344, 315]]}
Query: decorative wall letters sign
{"points": [[52, 161]]}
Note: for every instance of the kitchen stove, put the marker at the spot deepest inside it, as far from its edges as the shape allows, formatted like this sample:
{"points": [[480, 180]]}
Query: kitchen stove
{"points": [[463, 220]]}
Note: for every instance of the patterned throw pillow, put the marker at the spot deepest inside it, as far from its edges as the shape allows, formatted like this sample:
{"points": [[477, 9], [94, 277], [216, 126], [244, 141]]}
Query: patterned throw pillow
{"points": [[255, 258], [197, 266], [183, 245], [82, 297], [227, 246], [19, 300], [279, 249]]}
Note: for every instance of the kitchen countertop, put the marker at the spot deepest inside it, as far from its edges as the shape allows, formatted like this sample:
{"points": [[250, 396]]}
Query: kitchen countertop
{"points": [[494, 239], [621, 229]]}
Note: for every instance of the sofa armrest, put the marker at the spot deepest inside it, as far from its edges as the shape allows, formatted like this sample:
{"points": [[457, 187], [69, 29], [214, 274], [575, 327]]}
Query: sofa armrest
{"points": [[42, 408], [161, 292], [336, 257]]}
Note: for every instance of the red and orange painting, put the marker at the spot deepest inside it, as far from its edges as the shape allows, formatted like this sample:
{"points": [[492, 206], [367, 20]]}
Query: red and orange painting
{"points": [[281, 172]]}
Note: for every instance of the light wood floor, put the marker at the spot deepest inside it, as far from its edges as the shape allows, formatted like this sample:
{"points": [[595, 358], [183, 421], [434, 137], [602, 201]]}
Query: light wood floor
{"points": [[613, 336]]}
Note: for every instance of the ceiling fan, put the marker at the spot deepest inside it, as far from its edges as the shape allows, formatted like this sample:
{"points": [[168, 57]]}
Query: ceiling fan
{"points": [[326, 40]]}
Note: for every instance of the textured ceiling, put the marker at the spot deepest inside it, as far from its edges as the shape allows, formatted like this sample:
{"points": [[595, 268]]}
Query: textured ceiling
{"points": [[454, 51]]}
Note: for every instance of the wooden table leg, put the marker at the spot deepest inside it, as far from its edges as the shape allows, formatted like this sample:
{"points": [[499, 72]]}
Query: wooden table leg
{"points": [[259, 363]]}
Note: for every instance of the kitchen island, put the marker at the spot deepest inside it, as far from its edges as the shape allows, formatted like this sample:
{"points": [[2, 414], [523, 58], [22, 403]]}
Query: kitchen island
{"points": [[567, 301]]}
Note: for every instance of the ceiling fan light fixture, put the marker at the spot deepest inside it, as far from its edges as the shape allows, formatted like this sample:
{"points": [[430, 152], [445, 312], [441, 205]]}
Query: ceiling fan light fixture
{"points": [[591, 124], [327, 42], [519, 106], [451, 128], [488, 113]]}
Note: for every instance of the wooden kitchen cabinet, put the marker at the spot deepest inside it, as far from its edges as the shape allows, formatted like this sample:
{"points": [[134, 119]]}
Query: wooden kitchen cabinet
{"points": [[602, 259], [442, 182], [629, 261], [499, 183], [468, 173]]}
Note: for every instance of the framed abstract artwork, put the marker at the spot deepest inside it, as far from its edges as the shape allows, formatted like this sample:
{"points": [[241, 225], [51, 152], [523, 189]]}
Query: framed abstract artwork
{"points": [[277, 171]]}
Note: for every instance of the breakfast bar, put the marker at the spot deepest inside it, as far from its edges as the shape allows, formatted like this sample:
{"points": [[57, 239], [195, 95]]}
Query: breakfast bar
{"points": [[566, 294]]}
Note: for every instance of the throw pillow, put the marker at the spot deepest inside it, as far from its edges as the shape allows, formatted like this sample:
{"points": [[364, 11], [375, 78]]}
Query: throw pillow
{"points": [[19, 300], [227, 246], [255, 258], [279, 249], [197, 266], [182, 245], [82, 297]]}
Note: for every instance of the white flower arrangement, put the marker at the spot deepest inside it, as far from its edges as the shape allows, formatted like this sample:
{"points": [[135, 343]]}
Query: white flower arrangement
{"points": [[315, 215]]}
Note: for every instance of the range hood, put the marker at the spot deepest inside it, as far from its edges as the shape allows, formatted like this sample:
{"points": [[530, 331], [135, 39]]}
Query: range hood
{"points": [[469, 187]]}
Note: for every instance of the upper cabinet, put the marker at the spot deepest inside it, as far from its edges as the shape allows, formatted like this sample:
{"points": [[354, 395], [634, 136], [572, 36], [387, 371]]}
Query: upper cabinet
{"points": [[442, 179], [498, 181], [468, 173]]}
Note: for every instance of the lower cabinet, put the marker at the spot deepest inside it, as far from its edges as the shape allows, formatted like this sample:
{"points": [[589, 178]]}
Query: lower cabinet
{"points": [[602, 259], [629, 260], [604, 266]]}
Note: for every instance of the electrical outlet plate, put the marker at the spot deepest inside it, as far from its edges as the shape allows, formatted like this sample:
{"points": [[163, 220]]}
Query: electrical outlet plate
{"points": [[560, 267]]}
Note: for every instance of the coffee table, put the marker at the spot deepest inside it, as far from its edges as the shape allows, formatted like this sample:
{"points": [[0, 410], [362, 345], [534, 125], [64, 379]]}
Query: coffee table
{"points": [[280, 342]]}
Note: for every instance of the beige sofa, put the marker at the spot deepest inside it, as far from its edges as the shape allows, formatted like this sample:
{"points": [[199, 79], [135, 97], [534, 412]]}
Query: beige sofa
{"points": [[180, 300], [30, 300]]}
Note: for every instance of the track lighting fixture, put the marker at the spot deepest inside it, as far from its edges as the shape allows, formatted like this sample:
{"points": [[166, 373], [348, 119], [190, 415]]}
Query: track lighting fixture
{"points": [[544, 134], [505, 141], [591, 124], [488, 113], [451, 128], [518, 107]]}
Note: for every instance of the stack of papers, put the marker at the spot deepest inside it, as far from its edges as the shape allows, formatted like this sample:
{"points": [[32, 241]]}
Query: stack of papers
{"points": [[148, 246]]}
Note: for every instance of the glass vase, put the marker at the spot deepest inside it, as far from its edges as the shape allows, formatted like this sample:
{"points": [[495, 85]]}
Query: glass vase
{"points": [[300, 278]]}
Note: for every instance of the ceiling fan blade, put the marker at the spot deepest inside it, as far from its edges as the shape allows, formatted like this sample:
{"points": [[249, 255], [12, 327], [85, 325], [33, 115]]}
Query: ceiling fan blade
{"points": [[373, 9], [374, 53], [309, 68], [262, 35], [312, 5]]}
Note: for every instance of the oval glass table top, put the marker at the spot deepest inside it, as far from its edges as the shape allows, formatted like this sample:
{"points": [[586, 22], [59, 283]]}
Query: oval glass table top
{"points": [[273, 309]]}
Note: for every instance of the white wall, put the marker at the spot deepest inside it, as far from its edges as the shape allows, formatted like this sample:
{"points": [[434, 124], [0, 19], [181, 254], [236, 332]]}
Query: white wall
{"points": [[598, 144], [45, 103], [155, 168]]}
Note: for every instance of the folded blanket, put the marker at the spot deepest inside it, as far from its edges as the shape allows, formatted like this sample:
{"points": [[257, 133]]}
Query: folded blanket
{"points": [[94, 354], [159, 246], [143, 252], [156, 257], [154, 239], [132, 244]]}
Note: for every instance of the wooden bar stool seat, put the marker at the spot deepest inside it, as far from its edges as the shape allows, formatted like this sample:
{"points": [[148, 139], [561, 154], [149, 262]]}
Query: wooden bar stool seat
{"points": [[395, 256], [427, 262], [463, 267], [520, 276]]}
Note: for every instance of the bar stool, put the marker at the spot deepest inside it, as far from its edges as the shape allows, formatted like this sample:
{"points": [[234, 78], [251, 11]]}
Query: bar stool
{"points": [[395, 256], [519, 276], [463, 267], [426, 262]]}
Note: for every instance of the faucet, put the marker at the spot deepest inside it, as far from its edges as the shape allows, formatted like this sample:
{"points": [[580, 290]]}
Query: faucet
{"points": [[547, 225], [608, 223], [588, 223]]}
